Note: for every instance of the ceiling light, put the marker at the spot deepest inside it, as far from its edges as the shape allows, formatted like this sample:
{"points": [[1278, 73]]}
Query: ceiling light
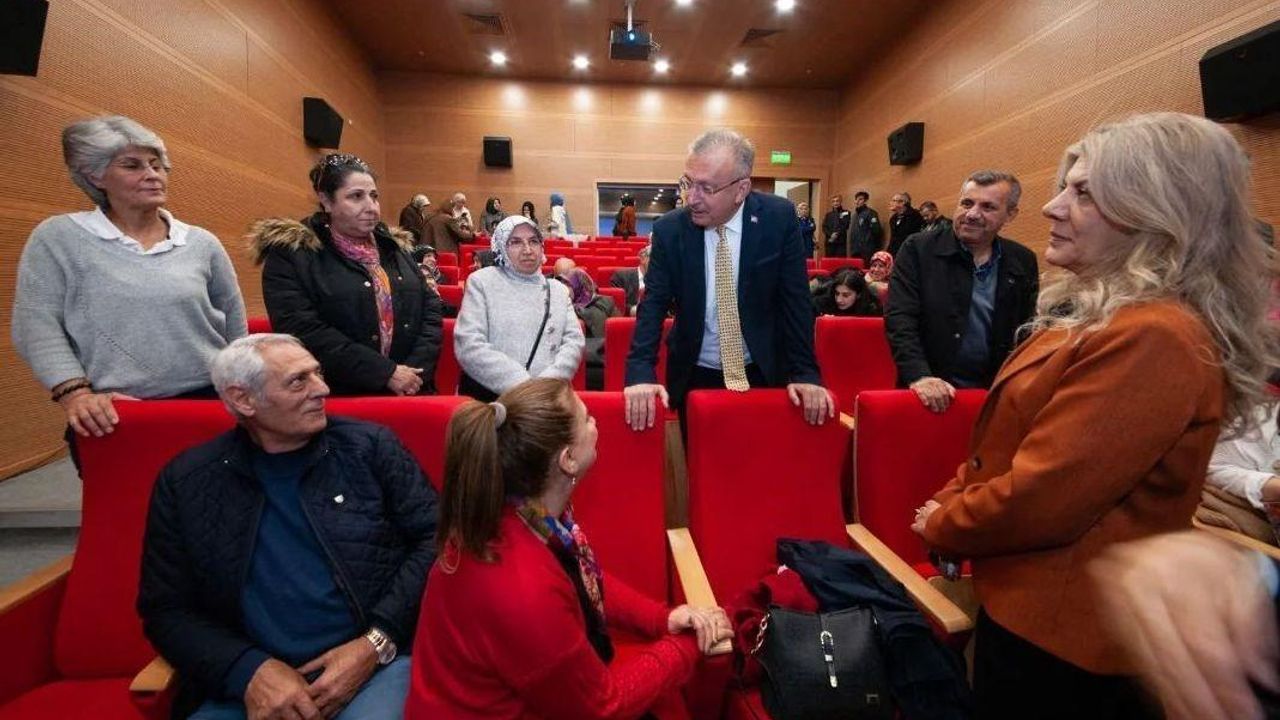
{"points": [[785, 5], [739, 69], [497, 57], [581, 62], [661, 67], [684, 3]]}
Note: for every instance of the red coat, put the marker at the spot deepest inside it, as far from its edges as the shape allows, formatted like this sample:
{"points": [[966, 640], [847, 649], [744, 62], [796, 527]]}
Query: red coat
{"points": [[507, 639]]}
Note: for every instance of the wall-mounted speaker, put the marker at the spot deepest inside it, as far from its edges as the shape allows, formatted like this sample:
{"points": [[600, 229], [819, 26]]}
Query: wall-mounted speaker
{"points": [[1241, 78], [906, 144], [497, 151], [21, 35], [321, 124]]}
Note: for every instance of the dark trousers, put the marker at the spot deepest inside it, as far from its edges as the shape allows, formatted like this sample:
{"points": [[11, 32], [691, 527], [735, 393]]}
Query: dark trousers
{"points": [[1013, 678]]}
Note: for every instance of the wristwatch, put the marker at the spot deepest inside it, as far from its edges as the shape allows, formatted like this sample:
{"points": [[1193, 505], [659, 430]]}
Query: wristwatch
{"points": [[382, 645]]}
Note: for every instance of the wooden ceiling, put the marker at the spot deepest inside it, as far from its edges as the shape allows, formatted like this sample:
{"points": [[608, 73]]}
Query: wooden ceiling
{"points": [[819, 44]]}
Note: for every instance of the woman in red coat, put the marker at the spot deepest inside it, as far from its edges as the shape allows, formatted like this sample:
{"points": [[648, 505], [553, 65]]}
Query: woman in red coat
{"points": [[516, 621]]}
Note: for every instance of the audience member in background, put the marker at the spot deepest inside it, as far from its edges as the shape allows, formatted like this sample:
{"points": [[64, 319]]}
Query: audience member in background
{"points": [[878, 274], [933, 219], [560, 225], [458, 208], [847, 296], [631, 280], [1244, 473], [1100, 428], [562, 267], [725, 237], [528, 210], [624, 225], [492, 215], [444, 232], [484, 259], [428, 263], [959, 296], [835, 228], [283, 561], [123, 301], [414, 216], [807, 228], [905, 221], [866, 235], [518, 592], [514, 323], [593, 309], [349, 290]]}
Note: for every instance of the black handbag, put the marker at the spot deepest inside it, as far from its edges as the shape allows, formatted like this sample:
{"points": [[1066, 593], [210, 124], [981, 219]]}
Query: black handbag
{"points": [[822, 666]]}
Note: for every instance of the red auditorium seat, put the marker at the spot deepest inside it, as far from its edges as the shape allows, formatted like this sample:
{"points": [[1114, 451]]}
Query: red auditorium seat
{"points": [[450, 274], [836, 263], [853, 354], [446, 259], [818, 272], [451, 294], [618, 294], [810, 263], [603, 274], [259, 324], [447, 370], [617, 343]]}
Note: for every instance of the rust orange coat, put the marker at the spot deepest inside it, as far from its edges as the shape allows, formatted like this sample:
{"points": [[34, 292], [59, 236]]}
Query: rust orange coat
{"points": [[1081, 444]]}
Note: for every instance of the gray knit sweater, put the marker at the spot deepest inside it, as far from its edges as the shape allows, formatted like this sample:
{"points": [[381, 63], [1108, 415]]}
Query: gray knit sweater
{"points": [[145, 325], [498, 322]]}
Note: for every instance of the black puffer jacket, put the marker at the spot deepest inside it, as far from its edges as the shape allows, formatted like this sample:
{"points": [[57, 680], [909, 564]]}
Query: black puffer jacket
{"points": [[327, 301], [202, 525]]}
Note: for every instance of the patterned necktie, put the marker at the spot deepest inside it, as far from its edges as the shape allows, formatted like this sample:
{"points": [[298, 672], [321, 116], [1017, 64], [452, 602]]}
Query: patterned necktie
{"points": [[731, 360]]}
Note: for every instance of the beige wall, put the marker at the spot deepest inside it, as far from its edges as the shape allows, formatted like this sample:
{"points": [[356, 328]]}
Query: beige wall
{"points": [[1009, 84], [221, 81], [568, 136]]}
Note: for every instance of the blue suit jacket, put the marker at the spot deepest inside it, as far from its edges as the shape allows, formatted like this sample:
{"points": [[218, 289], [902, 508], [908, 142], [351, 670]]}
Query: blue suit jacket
{"points": [[774, 308]]}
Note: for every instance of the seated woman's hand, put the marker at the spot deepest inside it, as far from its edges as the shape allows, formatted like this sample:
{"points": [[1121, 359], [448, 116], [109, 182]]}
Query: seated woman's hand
{"points": [[405, 380], [710, 625], [91, 413]]}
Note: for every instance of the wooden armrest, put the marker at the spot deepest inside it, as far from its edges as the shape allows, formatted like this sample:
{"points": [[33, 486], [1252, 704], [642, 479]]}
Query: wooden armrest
{"points": [[1270, 551], [693, 578], [932, 602], [37, 582], [156, 677], [848, 422]]}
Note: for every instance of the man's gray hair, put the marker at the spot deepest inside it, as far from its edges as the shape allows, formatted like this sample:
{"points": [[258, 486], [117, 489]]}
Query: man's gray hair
{"points": [[240, 364], [744, 153], [419, 201], [906, 197], [89, 146], [983, 178]]}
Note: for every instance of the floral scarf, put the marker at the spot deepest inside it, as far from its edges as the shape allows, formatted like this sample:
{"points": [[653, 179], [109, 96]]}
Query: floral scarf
{"points": [[564, 535], [365, 252]]}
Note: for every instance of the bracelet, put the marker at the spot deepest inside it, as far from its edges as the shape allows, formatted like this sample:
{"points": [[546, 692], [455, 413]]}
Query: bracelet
{"points": [[72, 387]]}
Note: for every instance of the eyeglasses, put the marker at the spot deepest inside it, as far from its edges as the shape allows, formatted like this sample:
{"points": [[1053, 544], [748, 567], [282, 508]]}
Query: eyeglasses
{"points": [[687, 185], [518, 244]]}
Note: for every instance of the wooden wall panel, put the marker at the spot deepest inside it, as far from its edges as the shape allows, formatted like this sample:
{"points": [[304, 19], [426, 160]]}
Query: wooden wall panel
{"points": [[568, 136], [221, 81], [1010, 84]]}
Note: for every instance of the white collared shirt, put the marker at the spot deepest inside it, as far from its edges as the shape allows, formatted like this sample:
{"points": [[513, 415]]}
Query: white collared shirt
{"points": [[709, 355], [96, 222]]}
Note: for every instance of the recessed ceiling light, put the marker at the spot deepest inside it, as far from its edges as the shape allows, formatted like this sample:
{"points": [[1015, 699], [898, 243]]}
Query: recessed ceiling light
{"points": [[497, 57], [684, 3], [581, 62], [785, 5], [661, 66], [739, 69]]}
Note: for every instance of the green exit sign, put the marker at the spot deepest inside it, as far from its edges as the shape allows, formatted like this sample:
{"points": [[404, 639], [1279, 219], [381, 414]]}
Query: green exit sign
{"points": [[780, 157]]}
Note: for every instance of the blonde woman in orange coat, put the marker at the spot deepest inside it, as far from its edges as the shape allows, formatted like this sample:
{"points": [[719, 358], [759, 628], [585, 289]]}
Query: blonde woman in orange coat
{"points": [[1099, 428]]}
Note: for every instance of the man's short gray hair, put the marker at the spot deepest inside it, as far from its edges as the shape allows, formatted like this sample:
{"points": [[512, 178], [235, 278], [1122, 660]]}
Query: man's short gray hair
{"points": [[89, 146], [906, 197], [419, 201], [744, 153], [240, 364], [983, 178]]}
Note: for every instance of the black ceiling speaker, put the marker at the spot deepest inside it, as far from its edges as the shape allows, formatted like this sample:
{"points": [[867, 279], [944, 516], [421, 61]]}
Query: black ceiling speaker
{"points": [[497, 151], [21, 35], [906, 144], [1241, 79], [321, 124]]}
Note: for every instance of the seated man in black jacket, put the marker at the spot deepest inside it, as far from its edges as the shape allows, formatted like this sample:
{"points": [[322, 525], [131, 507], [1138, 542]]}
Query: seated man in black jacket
{"points": [[284, 561], [958, 295]]}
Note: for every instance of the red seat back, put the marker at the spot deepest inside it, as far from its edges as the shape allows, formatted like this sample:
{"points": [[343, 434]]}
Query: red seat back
{"points": [[818, 272], [446, 259], [451, 294], [620, 500], [618, 294], [419, 422], [853, 354], [617, 344], [903, 454], [835, 263], [450, 274], [447, 370], [259, 324], [758, 472]]}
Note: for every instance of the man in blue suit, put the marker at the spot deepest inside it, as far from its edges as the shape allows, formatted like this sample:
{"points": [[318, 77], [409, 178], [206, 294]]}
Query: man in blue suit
{"points": [[731, 264]]}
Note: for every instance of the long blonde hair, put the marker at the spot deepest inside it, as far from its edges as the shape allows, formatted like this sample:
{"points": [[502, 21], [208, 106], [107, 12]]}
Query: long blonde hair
{"points": [[1179, 186]]}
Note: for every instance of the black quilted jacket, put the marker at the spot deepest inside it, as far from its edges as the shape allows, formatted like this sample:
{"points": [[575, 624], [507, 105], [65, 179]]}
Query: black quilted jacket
{"points": [[203, 521]]}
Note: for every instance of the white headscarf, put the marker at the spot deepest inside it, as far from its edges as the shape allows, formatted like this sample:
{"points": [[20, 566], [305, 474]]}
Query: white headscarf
{"points": [[499, 243]]}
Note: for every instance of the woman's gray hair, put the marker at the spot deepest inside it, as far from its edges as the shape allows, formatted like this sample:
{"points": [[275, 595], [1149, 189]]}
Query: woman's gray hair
{"points": [[89, 146], [743, 151], [240, 364]]}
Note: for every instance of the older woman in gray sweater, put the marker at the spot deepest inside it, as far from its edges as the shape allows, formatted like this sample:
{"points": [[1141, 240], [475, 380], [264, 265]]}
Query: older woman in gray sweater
{"points": [[514, 324]]}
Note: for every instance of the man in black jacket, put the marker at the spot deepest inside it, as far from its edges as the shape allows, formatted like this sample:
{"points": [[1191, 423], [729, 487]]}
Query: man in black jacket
{"points": [[865, 231], [958, 296], [835, 228], [904, 222], [284, 561]]}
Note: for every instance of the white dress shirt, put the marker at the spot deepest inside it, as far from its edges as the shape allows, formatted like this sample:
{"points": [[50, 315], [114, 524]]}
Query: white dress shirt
{"points": [[709, 356], [1241, 466], [96, 222]]}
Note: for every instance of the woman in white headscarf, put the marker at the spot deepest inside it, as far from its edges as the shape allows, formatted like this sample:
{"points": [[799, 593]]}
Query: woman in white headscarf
{"points": [[514, 324]]}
